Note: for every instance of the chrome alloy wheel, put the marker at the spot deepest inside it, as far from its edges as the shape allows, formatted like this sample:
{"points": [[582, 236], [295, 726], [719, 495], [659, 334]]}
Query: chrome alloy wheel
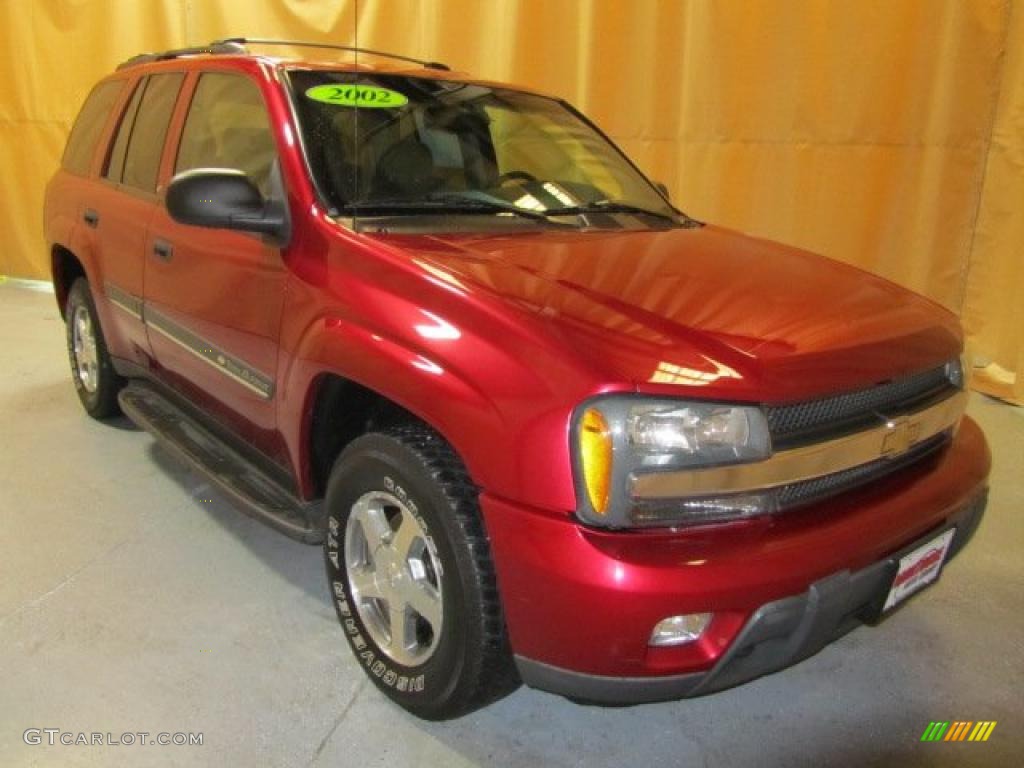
{"points": [[394, 575], [83, 344]]}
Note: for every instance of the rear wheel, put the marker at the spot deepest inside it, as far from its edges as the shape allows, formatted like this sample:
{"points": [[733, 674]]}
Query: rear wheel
{"points": [[411, 574], [96, 381]]}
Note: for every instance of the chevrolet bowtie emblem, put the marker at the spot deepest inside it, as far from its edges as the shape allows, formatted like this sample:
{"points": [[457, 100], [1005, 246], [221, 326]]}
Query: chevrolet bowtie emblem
{"points": [[900, 434]]}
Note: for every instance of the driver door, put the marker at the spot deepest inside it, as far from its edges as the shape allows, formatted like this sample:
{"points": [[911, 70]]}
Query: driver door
{"points": [[214, 297]]}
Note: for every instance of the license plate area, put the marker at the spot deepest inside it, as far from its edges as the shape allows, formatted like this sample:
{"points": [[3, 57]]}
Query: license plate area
{"points": [[918, 569]]}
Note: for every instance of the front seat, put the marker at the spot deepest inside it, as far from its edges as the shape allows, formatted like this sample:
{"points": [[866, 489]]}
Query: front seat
{"points": [[405, 171]]}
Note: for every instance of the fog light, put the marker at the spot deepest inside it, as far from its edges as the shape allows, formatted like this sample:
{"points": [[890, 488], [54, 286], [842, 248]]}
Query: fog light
{"points": [[680, 630]]}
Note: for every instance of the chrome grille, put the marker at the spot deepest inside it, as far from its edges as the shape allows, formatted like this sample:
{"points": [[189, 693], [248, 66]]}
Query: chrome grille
{"points": [[816, 420], [809, 491]]}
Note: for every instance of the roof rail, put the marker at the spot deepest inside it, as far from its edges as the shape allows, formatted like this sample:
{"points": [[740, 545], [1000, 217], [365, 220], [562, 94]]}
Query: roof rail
{"points": [[236, 45], [218, 47], [243, 41]]}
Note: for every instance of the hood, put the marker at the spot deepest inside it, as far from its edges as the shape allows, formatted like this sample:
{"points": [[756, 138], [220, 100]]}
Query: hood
{"points": [[708, 308]]}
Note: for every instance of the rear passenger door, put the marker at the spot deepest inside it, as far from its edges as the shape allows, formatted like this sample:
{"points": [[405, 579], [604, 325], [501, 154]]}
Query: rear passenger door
{"points": [[121, 210], [214, 297]]}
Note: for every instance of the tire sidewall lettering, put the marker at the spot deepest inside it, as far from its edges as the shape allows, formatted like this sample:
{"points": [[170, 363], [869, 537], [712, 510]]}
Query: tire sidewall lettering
{"points": [[381, 668]]}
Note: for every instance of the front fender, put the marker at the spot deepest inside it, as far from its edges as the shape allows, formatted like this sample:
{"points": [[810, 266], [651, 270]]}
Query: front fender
{"points": [[497, 413]]}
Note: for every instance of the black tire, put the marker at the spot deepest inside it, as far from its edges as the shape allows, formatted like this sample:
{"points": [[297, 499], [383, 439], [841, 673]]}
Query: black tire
{"points": [[471, 663], [99, 397]]}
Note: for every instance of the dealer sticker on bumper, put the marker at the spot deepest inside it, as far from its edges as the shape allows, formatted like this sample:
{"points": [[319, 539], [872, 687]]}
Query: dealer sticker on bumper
{"points": [[919, 568]]}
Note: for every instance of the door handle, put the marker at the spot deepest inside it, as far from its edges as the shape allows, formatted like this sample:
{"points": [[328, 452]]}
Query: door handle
{"points": [[163, 250], [91, 217]]}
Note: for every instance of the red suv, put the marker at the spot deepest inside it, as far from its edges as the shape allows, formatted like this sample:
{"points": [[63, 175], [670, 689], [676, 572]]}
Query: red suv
{"points": [[548, 428]]}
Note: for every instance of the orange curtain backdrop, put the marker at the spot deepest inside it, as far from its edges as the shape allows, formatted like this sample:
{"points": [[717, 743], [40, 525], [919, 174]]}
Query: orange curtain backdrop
{"points": [[886, 133], [993, 308]]}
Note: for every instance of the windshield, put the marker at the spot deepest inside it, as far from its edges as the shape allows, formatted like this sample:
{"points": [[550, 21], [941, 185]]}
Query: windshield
{"points": [[382, 144]]}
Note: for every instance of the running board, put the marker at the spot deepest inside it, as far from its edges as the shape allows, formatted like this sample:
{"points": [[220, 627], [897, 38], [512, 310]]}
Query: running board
{"points": [[257, 494]]}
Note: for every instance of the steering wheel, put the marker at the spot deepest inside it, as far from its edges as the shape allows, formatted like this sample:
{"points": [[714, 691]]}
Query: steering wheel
{"points": [[510, 176]]}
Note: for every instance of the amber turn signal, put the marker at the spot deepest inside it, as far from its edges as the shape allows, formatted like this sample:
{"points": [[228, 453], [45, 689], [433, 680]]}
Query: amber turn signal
{"points": [[596, 458]]}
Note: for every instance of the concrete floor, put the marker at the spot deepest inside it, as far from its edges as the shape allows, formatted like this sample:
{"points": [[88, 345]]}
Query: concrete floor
{"points": [[135, 598]]}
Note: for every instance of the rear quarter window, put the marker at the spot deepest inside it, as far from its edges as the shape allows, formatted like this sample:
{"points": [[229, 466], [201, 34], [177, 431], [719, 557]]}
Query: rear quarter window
{"points": [[85, 133]]}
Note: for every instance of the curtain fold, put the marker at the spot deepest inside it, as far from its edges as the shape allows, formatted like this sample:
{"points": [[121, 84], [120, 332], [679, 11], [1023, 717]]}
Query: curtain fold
{"points": [[889, 135], [993, 304]]}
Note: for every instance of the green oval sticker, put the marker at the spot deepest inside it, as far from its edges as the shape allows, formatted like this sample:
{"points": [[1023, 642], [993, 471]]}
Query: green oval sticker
{"points": [[352, 95]]}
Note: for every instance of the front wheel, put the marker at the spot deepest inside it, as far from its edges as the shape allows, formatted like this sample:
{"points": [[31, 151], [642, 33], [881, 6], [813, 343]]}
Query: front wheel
{"points": [[412, 579]]}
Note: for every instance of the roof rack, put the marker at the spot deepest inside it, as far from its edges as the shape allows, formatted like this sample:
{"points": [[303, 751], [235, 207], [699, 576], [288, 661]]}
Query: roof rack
{"points": [[243, 41], [237, 45], [217, 47]]}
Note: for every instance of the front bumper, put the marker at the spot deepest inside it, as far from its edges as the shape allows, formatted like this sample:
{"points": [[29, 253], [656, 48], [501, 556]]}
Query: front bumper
{"points": [[580, 604], [779, 634]]}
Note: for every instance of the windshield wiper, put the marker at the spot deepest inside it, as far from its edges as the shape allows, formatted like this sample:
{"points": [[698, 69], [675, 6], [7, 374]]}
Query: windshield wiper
{"points": [[610, 206], [471, 203], [447, 204]]}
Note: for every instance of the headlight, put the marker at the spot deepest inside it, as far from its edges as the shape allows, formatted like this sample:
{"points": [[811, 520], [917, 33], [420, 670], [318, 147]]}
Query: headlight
{"points": [[704, 434], [618, 437]]}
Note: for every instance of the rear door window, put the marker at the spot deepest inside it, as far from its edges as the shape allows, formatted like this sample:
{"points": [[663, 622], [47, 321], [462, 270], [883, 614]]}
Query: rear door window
{"points": [[135, 158], [142, 163], [115, 163], [89, 125]]}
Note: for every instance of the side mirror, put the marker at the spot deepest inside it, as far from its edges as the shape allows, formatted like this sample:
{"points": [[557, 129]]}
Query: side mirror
{"points": [[661, 187], [222, 198]]}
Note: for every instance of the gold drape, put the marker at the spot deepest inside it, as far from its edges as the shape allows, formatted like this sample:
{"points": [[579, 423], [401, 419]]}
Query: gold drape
{"points": [[886, 133]]}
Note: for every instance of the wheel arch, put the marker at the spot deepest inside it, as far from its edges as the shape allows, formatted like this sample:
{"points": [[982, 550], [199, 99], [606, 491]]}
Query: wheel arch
{"points": [[340, 408], [340, 411], [65, 268]]}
